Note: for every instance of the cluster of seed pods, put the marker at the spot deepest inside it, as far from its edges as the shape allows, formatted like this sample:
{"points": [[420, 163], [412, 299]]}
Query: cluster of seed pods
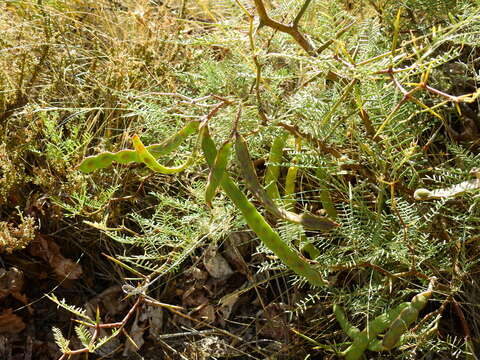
{"points": [[217, 161], [257, 222], [247, 169], [394, 323]]}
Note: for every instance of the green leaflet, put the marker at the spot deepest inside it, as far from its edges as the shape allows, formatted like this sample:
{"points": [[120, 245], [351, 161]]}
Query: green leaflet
{"points": [[257, 223], [105, 159], [217, 172], [309, 221]]}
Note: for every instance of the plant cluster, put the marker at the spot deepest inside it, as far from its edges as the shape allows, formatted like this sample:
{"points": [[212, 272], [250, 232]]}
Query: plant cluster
{"points": [[334, 116]]}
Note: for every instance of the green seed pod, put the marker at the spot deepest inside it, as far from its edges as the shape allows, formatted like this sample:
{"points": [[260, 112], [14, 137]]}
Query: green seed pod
{"points": [[368, 337], [249, 174], [356, 350], [383, 321], [217, 171], [407, 317], [325, 196], [257, 223], [272, 172], [341, 317], [291, 179], [148, 159], [315, 222], [105, 159], [174, 141], [376, 345]]}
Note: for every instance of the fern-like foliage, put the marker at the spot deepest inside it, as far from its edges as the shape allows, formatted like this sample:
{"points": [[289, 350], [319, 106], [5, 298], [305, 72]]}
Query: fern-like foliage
{"points": [[84, 335], [60, 340], [77, 311]]}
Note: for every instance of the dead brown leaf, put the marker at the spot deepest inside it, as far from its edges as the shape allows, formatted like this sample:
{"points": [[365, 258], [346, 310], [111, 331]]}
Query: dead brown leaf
{"points": [[227, 303], [275, 322], [155, 320], [110, 301], [11, 282], [233, 252], [207, 313], [216, 265], [45, 248], [10, 323]]}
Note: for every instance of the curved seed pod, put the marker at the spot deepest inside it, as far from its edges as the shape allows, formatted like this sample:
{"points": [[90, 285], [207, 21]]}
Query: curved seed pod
{"points": [[105, 159], [341, 317], [369, 335], [383, 321], [356, 350], [325, 197], [248, 171], [174, 141], [273, 168], [257, 223], [407, 317], [290, 181], [310, 221], [217, 171], [376, 345], [309, 249], [446, 193], [148, 159]]}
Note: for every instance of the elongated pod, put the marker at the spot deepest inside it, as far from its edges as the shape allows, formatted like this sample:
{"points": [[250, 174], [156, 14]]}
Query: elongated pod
{"points": [[217, 171], [148, 159], [383, 321], [367, 338], [291, 179], [105, 159], [325, 196], [257, 223], [346, 326], [407, 317], [248, 171], [272, 172], [174, 141]]}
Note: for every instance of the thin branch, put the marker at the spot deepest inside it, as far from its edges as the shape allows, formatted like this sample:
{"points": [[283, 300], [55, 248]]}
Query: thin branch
{"points": [[295, 131], [301, 12], [329, 42]]}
